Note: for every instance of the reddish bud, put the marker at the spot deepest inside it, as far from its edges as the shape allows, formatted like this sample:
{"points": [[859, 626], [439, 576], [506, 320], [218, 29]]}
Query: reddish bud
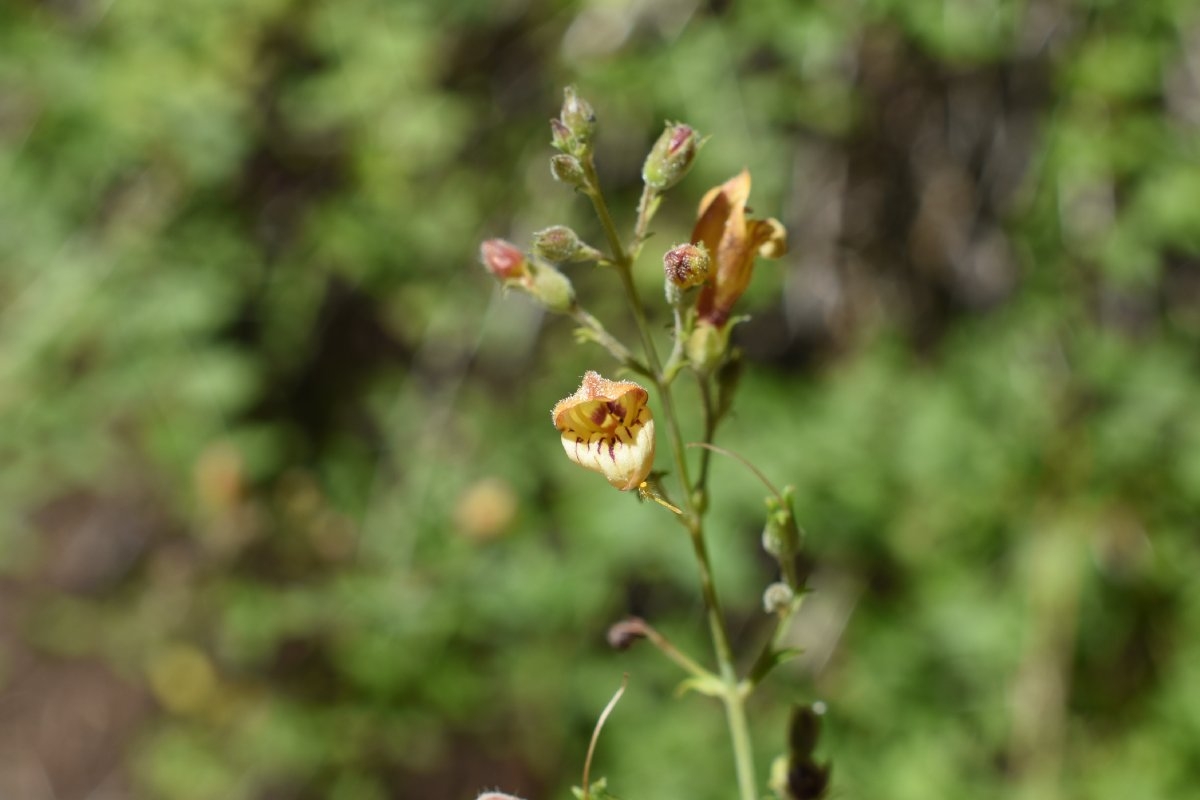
{"points": [[686, 265], [503, 259]]}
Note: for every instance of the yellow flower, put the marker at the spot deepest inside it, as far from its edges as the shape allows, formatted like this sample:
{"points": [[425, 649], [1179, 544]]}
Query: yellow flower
{"points": [[606, 427], [733, 241]]}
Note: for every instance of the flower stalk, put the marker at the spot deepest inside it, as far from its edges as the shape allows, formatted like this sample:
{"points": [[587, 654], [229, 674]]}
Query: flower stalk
{"points": [[607, 427], [693, 516]]}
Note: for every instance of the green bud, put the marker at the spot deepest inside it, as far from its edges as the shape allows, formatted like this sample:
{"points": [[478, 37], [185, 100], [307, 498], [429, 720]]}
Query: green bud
{"points": [[560, 136], [706, 346], [777, 598], [561, 244], [781, 534], [568, 170], [578, 116], [552, 289], [671, 157]]}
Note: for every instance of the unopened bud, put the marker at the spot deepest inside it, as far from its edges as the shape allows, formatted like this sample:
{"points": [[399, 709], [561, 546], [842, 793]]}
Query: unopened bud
{"points": [[496, 796], [560, 136], [777, 597], [781, 534], [671, 157], [623, 634], [687, 265], [706, 346], [578, 116], [568, 170], [503, 259], [559, 243], [552, 289]]}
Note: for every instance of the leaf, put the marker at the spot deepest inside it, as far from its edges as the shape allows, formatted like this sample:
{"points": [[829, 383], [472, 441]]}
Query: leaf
{"points": [[708, 685]]}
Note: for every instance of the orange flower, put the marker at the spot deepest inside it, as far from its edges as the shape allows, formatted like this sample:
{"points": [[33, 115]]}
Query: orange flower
{"points": [[606, 427], [733, 240]]}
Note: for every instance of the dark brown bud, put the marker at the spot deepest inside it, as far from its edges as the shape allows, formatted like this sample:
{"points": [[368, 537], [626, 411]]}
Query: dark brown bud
{"points": [[623, 634]]}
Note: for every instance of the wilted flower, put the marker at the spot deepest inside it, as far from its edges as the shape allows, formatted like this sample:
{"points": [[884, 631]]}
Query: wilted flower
{"points": [[734, 241], [606, 427]]}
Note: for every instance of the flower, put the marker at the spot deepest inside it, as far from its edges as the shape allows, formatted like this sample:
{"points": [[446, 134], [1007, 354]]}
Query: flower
{"points": [[606, 427], [733, 240]]}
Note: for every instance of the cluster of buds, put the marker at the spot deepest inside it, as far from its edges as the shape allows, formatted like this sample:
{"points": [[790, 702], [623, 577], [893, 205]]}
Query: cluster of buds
{"points": [[571, 134]]}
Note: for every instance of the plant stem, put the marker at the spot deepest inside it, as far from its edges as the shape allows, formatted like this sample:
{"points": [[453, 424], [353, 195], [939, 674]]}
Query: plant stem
{"points": [[735, 710], [601, 336], [692, 518]]}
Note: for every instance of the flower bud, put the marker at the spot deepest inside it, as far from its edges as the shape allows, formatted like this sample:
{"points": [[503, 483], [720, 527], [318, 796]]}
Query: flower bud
{"points": [[623, 634], [560, 136], [671, 157], [552, 289], [496, 796], [568, 170], [777, 597], [781, 534], [706, 346], [686, 265], [578, 116], [503, 259], [560, 244]]}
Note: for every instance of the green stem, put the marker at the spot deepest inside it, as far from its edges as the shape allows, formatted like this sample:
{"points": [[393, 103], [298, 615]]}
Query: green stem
{"points": [[767, 657], [692, 518], [734, 699], [710, 426], [672, 652], [601, 336]]}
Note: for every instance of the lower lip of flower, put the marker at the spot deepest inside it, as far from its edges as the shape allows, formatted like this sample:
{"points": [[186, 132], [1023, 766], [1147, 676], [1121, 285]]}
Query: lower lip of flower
{"points": [[623, 454]]}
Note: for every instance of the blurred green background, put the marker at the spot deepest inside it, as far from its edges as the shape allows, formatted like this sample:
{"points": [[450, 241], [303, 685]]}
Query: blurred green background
{"points": [[282, 515]]}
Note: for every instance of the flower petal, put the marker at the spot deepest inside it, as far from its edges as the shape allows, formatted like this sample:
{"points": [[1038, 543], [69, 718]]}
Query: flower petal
{"points": [[607, 427]]}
